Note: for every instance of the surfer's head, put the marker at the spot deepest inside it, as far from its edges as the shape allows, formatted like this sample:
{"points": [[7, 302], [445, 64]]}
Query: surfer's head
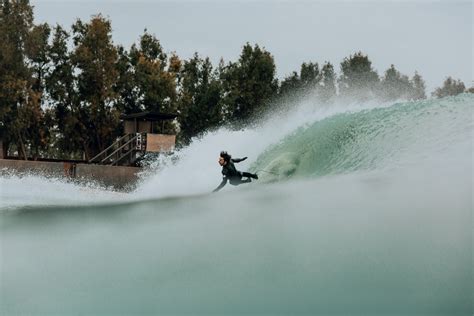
{"points": [[224, 158]]}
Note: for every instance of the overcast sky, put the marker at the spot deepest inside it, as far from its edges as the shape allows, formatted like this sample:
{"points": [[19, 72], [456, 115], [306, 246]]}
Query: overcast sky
{"points": [[433, 37]]}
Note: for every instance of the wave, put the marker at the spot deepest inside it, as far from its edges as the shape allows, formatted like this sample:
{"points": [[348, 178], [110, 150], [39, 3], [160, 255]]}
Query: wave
{"points": [[369, 210], [370, 139], [309, 141]]}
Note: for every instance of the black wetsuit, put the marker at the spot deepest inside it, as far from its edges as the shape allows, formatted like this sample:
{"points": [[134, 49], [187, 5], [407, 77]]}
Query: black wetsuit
{"points": [[231, 174]]}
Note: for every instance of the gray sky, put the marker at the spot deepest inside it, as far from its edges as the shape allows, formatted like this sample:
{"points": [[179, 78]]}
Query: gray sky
{"points": [[433, 37]]}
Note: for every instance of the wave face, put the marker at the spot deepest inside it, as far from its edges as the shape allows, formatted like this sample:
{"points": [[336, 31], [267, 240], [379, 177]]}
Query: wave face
{"points": [[359, 209], [377, 138]]}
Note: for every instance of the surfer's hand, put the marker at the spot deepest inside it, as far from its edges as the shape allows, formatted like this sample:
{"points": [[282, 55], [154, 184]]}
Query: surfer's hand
{"points": [[244, 158]]}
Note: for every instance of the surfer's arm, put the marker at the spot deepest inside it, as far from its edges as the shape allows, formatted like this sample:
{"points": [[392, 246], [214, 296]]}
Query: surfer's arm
{"points": [[223, 183], [238, 159]]}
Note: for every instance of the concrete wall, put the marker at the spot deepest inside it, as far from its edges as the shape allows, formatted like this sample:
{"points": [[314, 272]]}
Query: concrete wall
{"points": [[55, 169], [121, 178]]}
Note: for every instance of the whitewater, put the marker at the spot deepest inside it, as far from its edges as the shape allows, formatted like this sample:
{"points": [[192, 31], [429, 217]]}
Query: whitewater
{"points": [[360, 208]]}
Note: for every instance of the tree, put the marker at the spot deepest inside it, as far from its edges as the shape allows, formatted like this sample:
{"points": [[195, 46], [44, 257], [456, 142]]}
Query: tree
{"points": [[128, 94], [95, 59], [31, 115], [418, 84], [394, 85], [156, 85], [69, 127], [249, 83], [290, 84], [327, 88], [37, 50], [156, 77], [16, 21], [306, 81], [200, 98], [309, 75], [450, 87], [358, 79], [33, 131]]}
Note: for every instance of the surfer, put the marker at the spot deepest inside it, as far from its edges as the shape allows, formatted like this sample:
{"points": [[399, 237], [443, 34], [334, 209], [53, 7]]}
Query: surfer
{"points": [[230, 173]]}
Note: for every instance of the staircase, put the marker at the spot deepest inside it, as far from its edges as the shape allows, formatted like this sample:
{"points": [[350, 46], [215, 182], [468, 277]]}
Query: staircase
{"points": [[124, 151]]}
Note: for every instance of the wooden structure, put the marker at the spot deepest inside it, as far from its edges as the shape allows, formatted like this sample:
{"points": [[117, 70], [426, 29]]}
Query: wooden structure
{"points": [[143, 132]]}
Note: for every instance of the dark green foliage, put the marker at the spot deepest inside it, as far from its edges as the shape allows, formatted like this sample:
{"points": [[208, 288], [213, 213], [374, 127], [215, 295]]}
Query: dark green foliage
{"points": [[291, 84], [69, 125], [450, 87], [309, 75], [95, 58], [156, 86], [418, 85], [61, 93], [395, 85], [19, 91], [327, 88], [306, 81], [128, 96], [358, 79], [32, 119], [37, 51], [200, 103], [154, 78], [249, 84]]}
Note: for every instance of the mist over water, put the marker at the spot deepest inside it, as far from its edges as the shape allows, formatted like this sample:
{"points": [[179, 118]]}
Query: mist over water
{"points": [[34, 190], [359, 209], [198, 171]]}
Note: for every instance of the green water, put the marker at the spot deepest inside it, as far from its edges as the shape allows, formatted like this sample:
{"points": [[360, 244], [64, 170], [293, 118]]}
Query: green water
{"points": [[369, 212]]}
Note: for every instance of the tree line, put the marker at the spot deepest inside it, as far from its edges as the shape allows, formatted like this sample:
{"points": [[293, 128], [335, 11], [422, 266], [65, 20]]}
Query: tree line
{"points": [[62, 91]]}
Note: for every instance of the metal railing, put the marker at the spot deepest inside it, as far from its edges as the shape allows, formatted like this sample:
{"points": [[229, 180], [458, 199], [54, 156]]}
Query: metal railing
{"points": [[126, 146]]}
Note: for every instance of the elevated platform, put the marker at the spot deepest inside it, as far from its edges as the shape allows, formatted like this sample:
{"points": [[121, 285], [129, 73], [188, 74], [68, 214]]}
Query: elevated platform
{"points": [[144, 132], [129, 148]]}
